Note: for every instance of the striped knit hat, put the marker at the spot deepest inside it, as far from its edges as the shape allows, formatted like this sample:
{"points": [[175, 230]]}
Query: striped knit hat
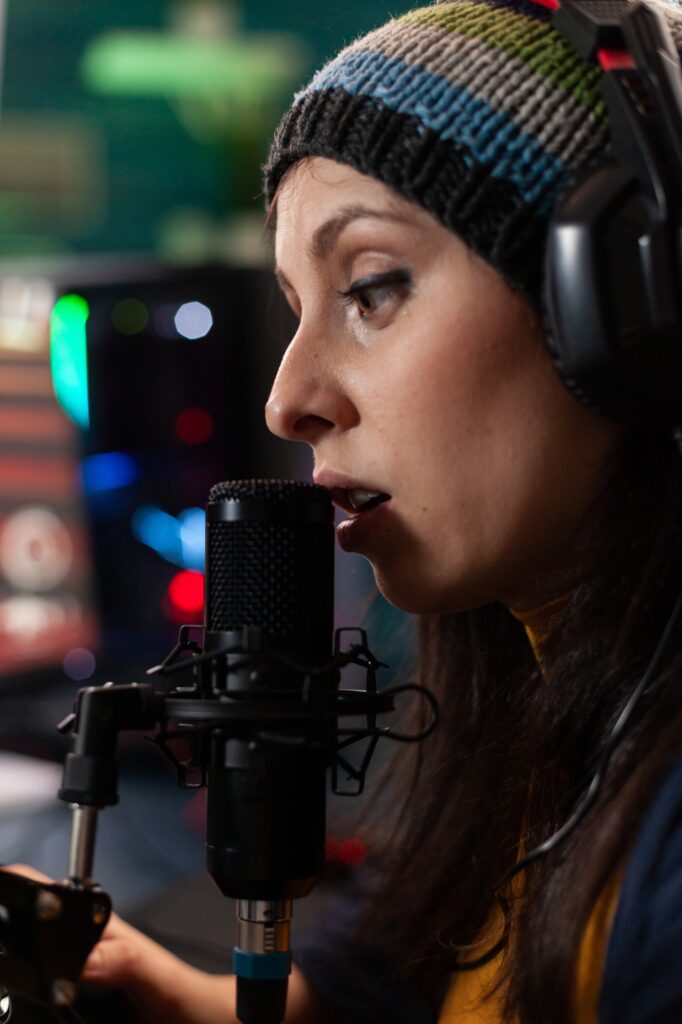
{"points": [[475, 109]]}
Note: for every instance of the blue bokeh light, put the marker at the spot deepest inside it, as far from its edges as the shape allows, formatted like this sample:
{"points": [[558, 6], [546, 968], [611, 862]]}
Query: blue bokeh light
{"points": [[180, 541], [193, 538], [108, 471]]}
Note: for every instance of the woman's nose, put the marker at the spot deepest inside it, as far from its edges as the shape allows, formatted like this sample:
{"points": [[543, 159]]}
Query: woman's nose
{"points": [[307, 402]]}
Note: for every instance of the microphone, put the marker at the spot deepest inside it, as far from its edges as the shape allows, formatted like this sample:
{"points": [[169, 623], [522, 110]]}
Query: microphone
{"points": [[264, 718], [269, 603]]}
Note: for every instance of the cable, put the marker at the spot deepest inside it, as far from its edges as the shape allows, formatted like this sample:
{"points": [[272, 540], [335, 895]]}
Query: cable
{"points": [[590, 794], [588, 798]]}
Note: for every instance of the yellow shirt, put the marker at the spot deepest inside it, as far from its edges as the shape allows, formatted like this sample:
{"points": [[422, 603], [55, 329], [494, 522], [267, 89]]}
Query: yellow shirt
{"points": [[469, 1000]]}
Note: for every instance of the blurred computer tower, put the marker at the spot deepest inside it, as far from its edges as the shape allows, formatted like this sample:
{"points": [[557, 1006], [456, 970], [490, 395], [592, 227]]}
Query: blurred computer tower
{"points": [[147, 386]]}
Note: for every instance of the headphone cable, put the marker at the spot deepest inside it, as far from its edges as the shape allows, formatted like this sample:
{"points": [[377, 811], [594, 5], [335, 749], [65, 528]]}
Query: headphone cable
{"points": [[589, 796]]}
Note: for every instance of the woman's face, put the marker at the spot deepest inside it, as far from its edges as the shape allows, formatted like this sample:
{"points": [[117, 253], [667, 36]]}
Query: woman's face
{"points": [[417, 373]]}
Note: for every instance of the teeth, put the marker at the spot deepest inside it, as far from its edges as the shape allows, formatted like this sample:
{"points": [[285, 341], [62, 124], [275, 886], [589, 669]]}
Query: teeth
{"points": [[358, 496]]}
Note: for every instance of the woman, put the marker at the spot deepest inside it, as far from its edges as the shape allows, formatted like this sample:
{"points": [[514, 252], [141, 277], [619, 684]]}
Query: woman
{"points": [[411, 185]]}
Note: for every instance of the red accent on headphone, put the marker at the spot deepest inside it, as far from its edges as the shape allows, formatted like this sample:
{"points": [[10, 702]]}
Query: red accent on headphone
{"points": [[609, 60], [615, 60]]}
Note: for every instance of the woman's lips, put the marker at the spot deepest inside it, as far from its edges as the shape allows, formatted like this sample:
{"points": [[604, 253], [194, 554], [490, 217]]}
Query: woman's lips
{"points": [[362, 519], [354, 531], [341, 498]]}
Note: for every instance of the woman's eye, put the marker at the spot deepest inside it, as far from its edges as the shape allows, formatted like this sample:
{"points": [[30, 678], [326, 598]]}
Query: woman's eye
{"points": [[368, 300], [369, 295]]}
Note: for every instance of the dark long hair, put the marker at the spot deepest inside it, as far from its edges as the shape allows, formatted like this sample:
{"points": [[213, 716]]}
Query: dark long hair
{"points": [[518, 743]]}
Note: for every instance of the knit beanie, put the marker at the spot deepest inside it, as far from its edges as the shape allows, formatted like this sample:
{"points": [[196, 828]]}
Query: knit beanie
{"points": [[477, 110]]}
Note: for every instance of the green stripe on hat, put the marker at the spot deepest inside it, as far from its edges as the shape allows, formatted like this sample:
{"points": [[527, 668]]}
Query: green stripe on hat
{"points": [[534, 42]]}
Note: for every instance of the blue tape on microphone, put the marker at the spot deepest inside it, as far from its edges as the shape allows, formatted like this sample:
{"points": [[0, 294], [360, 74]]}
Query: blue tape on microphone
{"points": [[261, 966]]}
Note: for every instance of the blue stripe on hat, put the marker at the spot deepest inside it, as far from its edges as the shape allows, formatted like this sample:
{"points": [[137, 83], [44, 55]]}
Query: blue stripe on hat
{"points": [[490, 137]]}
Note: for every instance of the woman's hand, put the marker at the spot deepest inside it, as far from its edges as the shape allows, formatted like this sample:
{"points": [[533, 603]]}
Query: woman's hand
{"points": [[161, 987], [164, 989]]}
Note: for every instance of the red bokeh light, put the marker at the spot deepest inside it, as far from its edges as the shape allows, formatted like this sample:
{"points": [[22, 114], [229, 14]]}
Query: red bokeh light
{"points": [[352, 852], [194, 425], [346, 852], [186, 593]]}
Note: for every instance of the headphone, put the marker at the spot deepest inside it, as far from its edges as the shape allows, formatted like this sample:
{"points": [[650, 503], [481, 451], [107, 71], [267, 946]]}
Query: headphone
{"points": [[613, 270], [613, 282]]}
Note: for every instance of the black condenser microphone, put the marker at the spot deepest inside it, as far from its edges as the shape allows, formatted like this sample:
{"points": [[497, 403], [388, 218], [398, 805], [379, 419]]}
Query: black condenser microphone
{"points": [[268, 622], [264, 717]]}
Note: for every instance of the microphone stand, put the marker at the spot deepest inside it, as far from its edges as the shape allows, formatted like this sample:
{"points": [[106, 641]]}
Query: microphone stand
{"points": [[257, 752]]}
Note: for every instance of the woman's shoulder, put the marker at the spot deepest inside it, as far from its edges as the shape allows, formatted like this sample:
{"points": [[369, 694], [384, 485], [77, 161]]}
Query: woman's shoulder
{"points": [[642, 982]]}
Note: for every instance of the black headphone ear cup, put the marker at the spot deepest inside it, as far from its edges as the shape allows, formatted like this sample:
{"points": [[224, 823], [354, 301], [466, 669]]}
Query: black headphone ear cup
{"points": [[553, 329], [598, 309], [550, 336]]}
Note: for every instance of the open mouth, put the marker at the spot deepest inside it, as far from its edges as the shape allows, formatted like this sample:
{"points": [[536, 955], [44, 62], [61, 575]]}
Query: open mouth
{"points": [[356, 500]]}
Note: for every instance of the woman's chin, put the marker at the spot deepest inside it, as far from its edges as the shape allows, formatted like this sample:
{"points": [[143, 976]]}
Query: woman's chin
{"points": [[420, 595]]}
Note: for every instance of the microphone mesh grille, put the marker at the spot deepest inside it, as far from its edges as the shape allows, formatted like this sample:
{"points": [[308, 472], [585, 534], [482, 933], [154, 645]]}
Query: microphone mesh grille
{"points": [[269, 490], [274, 575]]}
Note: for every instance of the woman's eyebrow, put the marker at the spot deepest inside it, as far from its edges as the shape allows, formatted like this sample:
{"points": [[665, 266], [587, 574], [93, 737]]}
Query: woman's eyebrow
{"points": [[326, 235]]}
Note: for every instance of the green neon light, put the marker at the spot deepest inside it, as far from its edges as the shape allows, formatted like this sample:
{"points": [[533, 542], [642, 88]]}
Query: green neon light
{"points": [[248, 69], [69, 358]]}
